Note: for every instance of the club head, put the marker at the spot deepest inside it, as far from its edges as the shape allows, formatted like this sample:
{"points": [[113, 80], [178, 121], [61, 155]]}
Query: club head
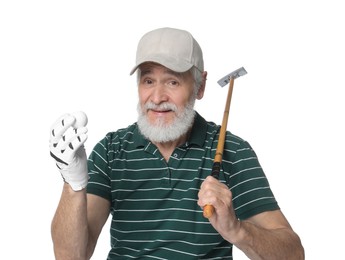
{"points": [[235, 74]]}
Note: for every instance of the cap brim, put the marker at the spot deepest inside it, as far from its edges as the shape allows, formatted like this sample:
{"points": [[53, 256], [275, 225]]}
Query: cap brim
{"points": [[170, 63]]}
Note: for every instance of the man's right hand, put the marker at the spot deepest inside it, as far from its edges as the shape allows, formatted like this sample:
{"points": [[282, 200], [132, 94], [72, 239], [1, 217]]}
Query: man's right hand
{"points": [[67, 148]]}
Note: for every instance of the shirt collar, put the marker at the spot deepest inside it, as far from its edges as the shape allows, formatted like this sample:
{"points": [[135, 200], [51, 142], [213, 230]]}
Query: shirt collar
{"points": [[139, 139], [198, 133]]}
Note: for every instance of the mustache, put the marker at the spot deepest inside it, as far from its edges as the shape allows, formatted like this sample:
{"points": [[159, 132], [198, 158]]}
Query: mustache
{"points": [[161, 107]]}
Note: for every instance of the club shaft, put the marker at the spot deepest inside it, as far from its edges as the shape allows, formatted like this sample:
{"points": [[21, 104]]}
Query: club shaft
{"points": [[209, 209]]}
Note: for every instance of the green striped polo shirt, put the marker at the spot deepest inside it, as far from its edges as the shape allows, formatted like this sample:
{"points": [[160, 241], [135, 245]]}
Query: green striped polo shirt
{"points": [[154, 203]]}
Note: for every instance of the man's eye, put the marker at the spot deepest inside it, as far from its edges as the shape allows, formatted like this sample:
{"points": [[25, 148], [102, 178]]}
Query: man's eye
{"points": [[148, 81], [173, 83]]}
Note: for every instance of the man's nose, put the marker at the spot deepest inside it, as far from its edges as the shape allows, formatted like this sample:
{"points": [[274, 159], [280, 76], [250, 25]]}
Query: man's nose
{"points": [[159, 94]]}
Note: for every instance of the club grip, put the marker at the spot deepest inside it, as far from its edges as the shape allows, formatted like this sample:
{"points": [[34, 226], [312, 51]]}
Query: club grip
{"points": [[215, 170], [209, 209]]}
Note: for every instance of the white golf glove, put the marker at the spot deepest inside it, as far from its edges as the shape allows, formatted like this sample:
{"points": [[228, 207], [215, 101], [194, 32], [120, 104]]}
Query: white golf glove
{"points": [[67, 148]]}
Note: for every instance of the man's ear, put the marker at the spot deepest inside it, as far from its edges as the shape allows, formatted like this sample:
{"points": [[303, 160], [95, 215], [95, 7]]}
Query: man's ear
{"points": [[201, 90]]}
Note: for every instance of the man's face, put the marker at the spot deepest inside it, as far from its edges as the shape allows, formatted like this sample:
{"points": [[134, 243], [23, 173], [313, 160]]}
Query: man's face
{"points": [[166, 101]]}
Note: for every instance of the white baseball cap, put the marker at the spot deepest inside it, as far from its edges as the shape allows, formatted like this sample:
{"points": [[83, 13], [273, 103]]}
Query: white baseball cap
{"points": [[173, 48]]}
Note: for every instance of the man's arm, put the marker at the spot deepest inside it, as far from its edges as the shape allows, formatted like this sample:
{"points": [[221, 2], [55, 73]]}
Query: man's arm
{"points": [[69, 227], [267, 235], [79, 218], [77, 224]]}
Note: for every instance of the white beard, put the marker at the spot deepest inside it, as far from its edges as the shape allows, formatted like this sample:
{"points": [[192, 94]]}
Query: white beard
{"points": [[159, 131]]}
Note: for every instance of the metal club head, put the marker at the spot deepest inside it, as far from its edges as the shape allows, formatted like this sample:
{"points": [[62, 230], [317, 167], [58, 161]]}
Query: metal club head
{"points": [[235, 74]]}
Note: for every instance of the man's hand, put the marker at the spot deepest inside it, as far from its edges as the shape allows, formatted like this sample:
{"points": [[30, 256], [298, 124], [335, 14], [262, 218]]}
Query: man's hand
{"points": [[67, 138], [212, 192]]}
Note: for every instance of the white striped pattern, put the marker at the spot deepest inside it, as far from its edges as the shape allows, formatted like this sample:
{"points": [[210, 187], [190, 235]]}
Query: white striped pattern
{"points": [[154, 203]]}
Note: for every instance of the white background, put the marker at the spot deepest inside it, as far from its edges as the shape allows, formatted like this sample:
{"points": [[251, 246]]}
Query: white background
{"points": [[63, 56]]}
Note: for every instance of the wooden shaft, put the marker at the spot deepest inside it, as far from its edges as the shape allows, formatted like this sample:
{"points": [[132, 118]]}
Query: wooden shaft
{"points": [[221, 140], [209, 209]]}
